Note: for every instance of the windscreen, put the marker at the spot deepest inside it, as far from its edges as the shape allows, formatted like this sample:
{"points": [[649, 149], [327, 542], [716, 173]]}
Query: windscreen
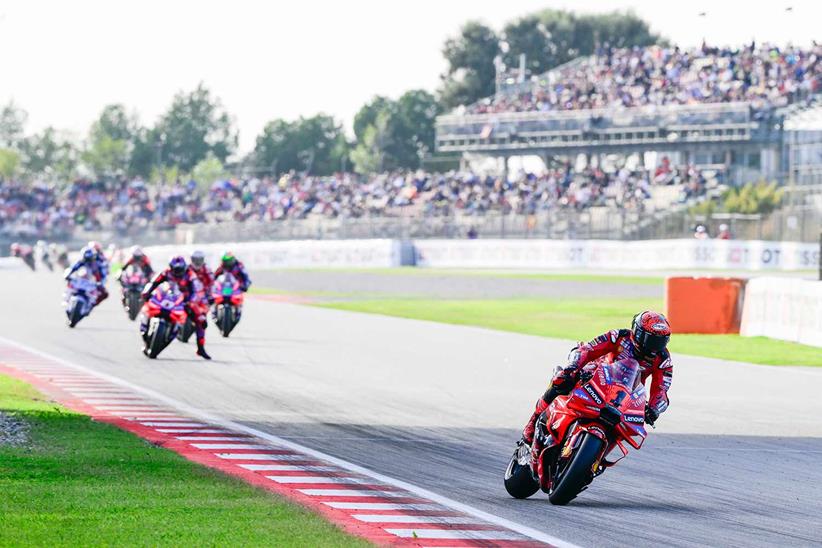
{"points": [[625, 372]]}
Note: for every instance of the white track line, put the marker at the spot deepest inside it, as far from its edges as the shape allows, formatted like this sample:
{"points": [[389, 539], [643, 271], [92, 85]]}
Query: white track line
{"points": [[230, 446], [523, 530], [192, 431], [212, 438], [383, 506], [320, 479], [172, 424], [288, 468], [374, 493], [389, 518], [261, 456], [455, 534]]}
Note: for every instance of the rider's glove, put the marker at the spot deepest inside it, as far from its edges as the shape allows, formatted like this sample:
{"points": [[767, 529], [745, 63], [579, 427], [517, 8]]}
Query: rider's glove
{"points": [[145, 296], [651, 415], [565, 379], [210, 300]]}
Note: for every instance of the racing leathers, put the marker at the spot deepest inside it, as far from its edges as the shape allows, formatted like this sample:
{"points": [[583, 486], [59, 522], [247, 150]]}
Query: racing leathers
{"points": [[203, 279], [186, 284], [142, 262], [613, 345], [24, 252], [99, 269], [238, 271]]}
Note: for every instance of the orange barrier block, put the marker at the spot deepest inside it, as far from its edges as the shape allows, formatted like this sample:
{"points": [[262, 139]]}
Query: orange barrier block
{"points": [[704, 305]]}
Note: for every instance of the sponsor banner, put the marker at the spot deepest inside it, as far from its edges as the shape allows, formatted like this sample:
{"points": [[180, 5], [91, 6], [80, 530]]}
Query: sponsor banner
{"points": [[608, 254], [783, 308], [292, 254]]}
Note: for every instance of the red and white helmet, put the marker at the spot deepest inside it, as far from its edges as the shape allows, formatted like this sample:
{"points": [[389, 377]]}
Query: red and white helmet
{"points": [[651, 332]]}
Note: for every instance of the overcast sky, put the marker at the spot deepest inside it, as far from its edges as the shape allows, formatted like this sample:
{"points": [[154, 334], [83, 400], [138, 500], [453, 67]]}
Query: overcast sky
{"points": [[64, 60]]}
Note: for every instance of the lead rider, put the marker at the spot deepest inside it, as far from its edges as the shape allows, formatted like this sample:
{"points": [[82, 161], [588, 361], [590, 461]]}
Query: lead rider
{"points": [[646, 342]]}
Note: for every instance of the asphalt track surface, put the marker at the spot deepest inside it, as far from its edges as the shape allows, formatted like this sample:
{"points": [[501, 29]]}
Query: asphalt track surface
{"points": [[735, 461]]}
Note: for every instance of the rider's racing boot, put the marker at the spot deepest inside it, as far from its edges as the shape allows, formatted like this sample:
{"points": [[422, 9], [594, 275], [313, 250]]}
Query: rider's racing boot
{"points": [[201, 351], [542, 405]]}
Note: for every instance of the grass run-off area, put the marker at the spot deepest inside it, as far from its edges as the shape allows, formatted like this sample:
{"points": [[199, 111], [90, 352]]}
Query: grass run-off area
{"points": [[76, 482], [582, 319]]}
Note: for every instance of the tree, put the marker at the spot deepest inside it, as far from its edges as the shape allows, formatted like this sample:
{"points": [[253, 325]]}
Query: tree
{"points": [[315, 145], [395, 134], [9, 163], [12, 124], [110, 142], [369, 154], [471, 72], [417, 111], [194, 125], [367, 115], [552, 37], [145, 153], [50, 154], [208, 170], [106, 156], [114, 122]]}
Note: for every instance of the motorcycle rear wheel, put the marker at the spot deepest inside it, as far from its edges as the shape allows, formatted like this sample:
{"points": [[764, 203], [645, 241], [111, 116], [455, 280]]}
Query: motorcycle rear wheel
{"points": [[577, 474], [519, 480]]}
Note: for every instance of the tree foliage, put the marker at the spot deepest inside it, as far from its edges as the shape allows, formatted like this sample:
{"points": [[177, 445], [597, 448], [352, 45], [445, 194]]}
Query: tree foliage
{"points": [[49, 154], [194, 126], [470, 56], [552, 37], [395, 134], [110, 142], [761, 197], [315, 145], [9, 163], [12, 125]]}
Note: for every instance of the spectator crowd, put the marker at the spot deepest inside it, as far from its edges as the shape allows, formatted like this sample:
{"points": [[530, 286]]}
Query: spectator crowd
{"points": [[130, 207], [764, 75]]}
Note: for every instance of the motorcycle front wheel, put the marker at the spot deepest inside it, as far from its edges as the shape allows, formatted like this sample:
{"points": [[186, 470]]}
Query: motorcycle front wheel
{"points": [[577, 474], [76, 313], [134, 303], [158, 340], [519, 480]]}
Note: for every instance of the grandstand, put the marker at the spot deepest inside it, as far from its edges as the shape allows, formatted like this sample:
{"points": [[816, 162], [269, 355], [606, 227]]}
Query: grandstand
{"points": [[751, 113]]}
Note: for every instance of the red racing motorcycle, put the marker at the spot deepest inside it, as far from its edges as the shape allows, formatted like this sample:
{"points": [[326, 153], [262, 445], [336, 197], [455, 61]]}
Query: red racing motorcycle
{"points": [[582, 434]]}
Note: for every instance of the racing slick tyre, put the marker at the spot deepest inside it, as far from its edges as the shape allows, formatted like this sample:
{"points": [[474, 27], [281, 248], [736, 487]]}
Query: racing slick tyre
{"points": [[226, 320], [519, 480], [158, 340], [76, 313], [134, 303], [571, 480], [185, 332]]}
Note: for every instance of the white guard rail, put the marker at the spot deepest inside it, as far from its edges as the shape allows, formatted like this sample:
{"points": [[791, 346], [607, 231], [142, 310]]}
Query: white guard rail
{"points": [[783, 308]]}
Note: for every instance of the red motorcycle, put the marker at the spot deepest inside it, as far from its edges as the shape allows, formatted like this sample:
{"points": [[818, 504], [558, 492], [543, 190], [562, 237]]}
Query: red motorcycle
{"points": [[582, 434], [164, 316], [132, 282], [228, 303]]}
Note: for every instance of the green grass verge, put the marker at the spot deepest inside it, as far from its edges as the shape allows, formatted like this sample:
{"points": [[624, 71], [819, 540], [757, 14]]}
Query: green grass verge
{"points": [[582, 319], [81, 483]]}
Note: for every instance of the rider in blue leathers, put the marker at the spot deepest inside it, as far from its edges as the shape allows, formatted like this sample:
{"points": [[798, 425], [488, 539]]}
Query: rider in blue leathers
{"points": [[90, 258]]}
